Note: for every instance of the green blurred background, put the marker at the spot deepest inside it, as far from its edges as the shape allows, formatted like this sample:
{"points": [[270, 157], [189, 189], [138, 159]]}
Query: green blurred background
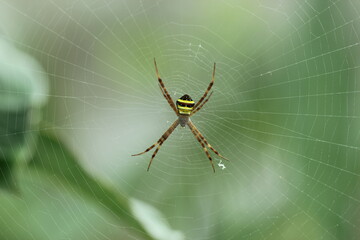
{"points": [[79, 95]]}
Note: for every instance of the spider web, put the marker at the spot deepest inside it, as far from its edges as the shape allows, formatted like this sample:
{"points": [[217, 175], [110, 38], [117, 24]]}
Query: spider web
{"points": [[284, 108]]}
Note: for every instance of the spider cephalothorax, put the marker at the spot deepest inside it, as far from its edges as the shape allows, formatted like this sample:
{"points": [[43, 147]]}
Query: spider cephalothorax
{"points": [[184, 108]]}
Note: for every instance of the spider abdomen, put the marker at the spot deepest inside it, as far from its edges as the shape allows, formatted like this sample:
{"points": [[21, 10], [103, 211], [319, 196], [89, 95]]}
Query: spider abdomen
{"points": [[185, 105]]}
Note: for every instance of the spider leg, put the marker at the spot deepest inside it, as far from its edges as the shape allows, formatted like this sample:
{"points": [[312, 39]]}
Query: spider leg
{"points": [[164, 91], [205, 141], [161, 140], [154, 154], [208, 89], [191, 126], [201, 105], [148, 149]]}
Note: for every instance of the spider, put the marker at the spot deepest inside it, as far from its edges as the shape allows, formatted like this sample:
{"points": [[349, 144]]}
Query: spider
{"points": [[185, 107]]}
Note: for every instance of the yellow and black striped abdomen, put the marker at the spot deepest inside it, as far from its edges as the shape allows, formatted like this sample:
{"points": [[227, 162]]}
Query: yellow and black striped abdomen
{"points": [[185, 105]]}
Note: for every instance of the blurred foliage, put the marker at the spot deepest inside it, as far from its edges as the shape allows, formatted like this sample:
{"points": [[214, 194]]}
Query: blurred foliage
{"points": [[56, 162], [23, 92]]}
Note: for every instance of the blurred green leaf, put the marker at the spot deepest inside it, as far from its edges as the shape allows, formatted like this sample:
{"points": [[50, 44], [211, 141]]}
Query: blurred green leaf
{"points": [[23, 92], [7, 180], [46, 209], [154, 222], [53, 158]]}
